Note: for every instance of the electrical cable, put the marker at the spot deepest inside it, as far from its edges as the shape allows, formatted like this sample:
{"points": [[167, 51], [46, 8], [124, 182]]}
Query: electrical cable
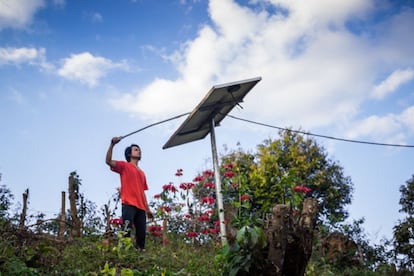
{"points": [[280, 128], [322, 136], [154, 124]]}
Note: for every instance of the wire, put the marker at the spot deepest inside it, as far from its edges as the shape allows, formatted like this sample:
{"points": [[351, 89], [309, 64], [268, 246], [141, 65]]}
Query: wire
{"points": [[154, 124], [280, 128], [322, 136]]}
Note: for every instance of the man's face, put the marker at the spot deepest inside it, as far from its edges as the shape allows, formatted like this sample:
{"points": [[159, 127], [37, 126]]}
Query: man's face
{"points": [[136, 152]]}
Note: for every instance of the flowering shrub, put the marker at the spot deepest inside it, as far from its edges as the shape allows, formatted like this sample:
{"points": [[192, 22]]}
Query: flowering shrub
{"points": [[187, 215], [190, 210]]}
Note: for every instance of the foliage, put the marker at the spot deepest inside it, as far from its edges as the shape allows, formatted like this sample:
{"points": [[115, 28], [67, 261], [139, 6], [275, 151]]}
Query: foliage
{"points": [[25, 253], [404, 231], [280, 165], [245, 256], [6, 198]]}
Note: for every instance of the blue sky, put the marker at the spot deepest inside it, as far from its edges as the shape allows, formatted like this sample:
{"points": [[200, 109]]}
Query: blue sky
{"points": [[73, 74]]}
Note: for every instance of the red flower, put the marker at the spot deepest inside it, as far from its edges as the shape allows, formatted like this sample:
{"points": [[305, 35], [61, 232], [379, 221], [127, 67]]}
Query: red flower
{"points": [[228, 166], [209, 185], [166, 209], [169, 187], [208, 173], [204, 218], [234, 185], [208, 200], [154, 228], [116, 221], [209, 212], [187, 216], [179, 172], [301, 189], [198, 178], [157, 196], [214, 230], [191, 234], [204, 231], [187, 186], [217, 223], [156, 234], [244, 197], [229, 174]]}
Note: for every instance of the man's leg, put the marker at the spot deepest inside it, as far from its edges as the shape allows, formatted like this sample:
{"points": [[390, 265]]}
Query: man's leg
{"points": [[140, 223], [128, 218]]}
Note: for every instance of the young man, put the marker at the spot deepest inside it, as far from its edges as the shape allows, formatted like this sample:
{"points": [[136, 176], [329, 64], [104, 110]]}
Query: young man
{"points": [[135, 207]]}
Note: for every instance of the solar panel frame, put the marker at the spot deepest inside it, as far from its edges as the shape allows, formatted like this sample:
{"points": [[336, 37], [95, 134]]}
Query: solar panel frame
{"points": [[214, 107]]}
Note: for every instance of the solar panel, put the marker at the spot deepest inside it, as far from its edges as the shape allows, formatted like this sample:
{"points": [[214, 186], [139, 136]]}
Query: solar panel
{"points": [[218, 102]]}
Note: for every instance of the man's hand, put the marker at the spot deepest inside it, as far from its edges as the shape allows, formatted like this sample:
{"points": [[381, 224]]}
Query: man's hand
{"points": [[150, 215], [115, 140]]}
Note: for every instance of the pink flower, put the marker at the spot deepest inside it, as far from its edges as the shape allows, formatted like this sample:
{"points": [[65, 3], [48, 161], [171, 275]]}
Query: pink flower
{"points": [[156, 234], [166, 209], [234, 185], [244, 198], [229, 174], [187, 186], [209, 185], [208, 200], [192, 234], [209, 212], [116, 221], [188, 216], [154, 228], [208, 173], [204, 218], [198, 178], [169, 187], [228, 166], [301, 189], [179, 172], [214, 230]]}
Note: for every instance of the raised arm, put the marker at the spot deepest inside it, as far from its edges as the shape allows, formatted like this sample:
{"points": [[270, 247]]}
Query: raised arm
{"points": [[108, 159]]}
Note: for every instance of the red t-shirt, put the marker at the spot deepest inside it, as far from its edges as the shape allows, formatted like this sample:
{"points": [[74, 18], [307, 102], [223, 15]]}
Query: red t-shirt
{"points": [[133, 184]]}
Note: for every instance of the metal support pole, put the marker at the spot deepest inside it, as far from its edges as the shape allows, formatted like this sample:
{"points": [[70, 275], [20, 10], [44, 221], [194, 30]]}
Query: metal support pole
{"points": [[217, 178]]}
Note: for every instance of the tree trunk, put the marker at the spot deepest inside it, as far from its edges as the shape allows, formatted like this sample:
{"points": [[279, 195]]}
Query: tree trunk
{"points": [[24, 209], [75, 229], [62, 224], [290, 239]]}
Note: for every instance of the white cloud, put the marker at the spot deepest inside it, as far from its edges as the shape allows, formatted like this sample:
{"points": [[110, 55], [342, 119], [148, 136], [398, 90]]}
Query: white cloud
{"points": [[391, 128], [88, 69], [21, 56], [407, 118], [395, 80], [18, 13], [315, 72]]}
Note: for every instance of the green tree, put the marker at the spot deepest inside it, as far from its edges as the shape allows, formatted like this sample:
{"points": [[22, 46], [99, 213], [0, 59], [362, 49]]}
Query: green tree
{"points": [[271, 174], [6, 198], [404, 231]]}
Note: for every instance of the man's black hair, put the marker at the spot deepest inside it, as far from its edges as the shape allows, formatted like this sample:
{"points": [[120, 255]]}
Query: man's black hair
{"points": [[128, 152]]}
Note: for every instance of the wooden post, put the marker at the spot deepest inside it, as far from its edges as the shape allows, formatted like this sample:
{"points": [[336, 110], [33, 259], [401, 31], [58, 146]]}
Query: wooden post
{"points": [[24, 209], [75, 228], [62, 216], [107, 218], [164, 231]]}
